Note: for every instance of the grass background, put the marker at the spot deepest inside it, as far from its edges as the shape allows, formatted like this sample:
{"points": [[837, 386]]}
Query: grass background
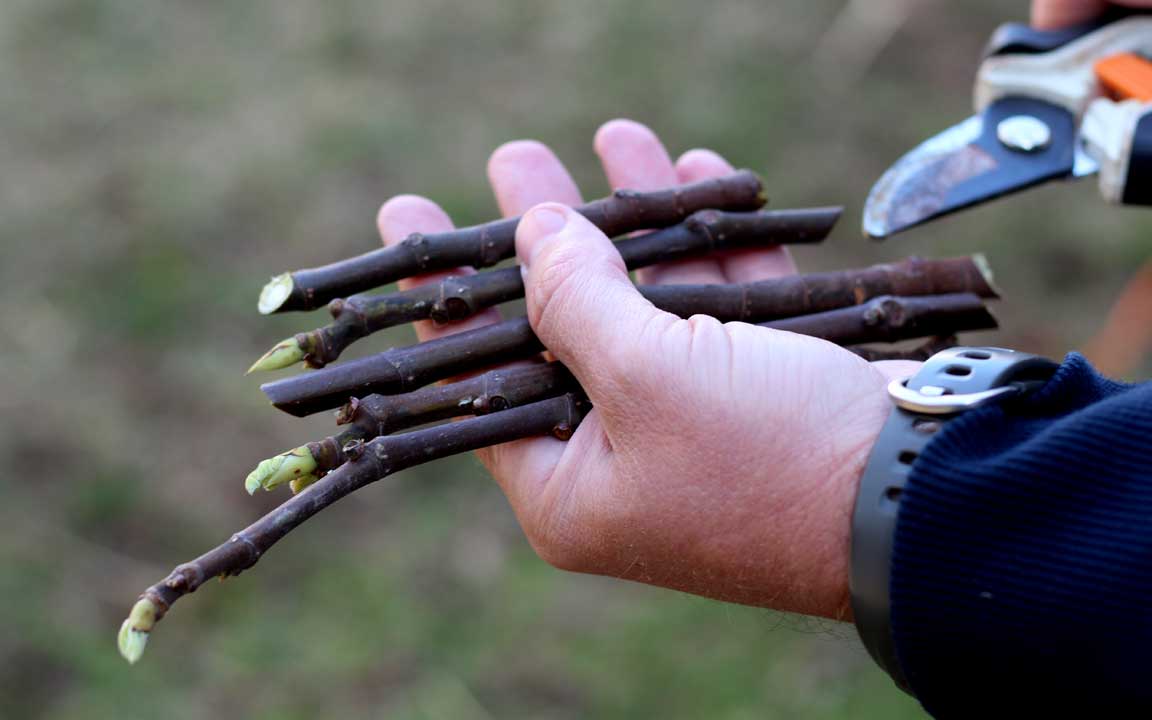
{"points": [[161, 159]]}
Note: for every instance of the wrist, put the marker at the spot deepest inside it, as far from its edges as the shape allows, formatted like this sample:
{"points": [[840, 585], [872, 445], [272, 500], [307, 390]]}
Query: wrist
{"points": [[948, 384], [833, 503]]}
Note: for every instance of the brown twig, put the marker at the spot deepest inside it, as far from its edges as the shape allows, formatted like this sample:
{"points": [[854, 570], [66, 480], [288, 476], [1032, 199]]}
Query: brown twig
{"points": [[459, 297], [377, 459], [817, 292], [404, 369], [891, 319], [497, 390], [484, 245], [493, 391]]}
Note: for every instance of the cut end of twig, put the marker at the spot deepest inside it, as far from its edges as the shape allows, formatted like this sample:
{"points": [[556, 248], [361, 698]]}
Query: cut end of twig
{"points": [[285, 353], [297, 464], [274, 294], [982, 264], [134, 631]]}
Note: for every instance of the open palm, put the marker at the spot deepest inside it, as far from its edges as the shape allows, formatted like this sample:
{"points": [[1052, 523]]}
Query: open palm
{"points": [[720, 459]]}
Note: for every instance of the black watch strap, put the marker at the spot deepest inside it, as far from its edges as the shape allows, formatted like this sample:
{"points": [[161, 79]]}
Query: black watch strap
{"points": [[949, 383]]}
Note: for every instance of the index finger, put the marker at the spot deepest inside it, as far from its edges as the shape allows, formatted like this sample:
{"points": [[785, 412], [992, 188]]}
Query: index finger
{"points": [[525, 173], [400, 217]]}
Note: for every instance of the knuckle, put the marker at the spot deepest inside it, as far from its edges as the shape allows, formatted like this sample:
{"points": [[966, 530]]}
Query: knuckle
{"points": [[557, 287], [559, 264]]}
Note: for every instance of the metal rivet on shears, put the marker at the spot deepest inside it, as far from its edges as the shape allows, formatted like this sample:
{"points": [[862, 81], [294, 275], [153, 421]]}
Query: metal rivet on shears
{"points": [[1024, 133]]}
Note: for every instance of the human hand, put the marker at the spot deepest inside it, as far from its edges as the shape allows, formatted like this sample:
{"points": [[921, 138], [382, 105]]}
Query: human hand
{"points": [[719, 459], [1056, 14]]}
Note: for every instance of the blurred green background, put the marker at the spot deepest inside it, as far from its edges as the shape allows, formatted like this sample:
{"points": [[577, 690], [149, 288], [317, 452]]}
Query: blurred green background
{"points": [[161, 159]]}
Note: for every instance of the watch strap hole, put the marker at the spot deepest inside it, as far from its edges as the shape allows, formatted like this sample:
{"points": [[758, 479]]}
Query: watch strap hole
{"points": [[925, 426], [976, 355]]}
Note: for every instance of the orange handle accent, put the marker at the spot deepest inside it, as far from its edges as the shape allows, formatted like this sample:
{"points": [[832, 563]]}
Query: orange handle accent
{"points": [[1126, 76]]}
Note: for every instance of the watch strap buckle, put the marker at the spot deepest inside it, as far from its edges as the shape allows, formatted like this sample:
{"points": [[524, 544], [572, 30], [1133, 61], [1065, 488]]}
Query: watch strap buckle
{"points": [[935, 400]]}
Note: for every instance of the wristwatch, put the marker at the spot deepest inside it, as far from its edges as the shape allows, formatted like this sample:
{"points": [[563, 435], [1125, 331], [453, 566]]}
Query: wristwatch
{"points": [[948, 384]]}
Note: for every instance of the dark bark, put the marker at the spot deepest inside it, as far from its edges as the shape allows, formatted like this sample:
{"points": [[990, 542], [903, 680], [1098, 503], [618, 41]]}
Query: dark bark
{"points": [[379, 458], [404, 369], [891, 319], [484, 245], [459, 297], [377, 415], [817, 292], [494, 391]]}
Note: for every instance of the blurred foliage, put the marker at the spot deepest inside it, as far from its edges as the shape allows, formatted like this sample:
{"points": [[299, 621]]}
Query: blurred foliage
{"points": [[161, 159]]}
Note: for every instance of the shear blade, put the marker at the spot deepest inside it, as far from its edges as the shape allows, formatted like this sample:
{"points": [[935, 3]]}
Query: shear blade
{"points": [[967, 164]]}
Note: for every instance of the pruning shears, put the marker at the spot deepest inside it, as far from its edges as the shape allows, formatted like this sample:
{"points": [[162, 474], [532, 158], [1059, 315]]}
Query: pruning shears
{"points": [[1049, 105]]}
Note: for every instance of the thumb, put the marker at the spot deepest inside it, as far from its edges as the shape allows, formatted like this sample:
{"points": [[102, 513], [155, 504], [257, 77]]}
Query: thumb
{"points": [[584, 307], [1059, 14]]}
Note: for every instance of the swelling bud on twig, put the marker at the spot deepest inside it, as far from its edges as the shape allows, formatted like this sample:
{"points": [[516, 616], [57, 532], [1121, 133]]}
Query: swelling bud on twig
{"points": [[622, 212], [404, 369], [373, 416], [291, 466], [380, 458], [285, 353], [458, 297], [301, 482], [133, 637]]}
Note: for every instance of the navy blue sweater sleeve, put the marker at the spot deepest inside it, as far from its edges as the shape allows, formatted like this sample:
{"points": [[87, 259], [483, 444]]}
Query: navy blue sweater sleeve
{"points": [[1022, 566]]}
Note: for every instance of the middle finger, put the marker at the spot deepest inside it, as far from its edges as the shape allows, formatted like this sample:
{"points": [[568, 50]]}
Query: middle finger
{"points": [[634, 158]]}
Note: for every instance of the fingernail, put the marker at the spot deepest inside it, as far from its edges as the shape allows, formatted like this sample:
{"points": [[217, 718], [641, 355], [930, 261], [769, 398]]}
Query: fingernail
{"points": [[541, 224]]}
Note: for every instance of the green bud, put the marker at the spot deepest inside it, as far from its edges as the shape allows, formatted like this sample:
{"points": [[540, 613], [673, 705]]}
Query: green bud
{"points": [[285, 467], [275, 293], [134, 631], [285, 353], [301, 482]]}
